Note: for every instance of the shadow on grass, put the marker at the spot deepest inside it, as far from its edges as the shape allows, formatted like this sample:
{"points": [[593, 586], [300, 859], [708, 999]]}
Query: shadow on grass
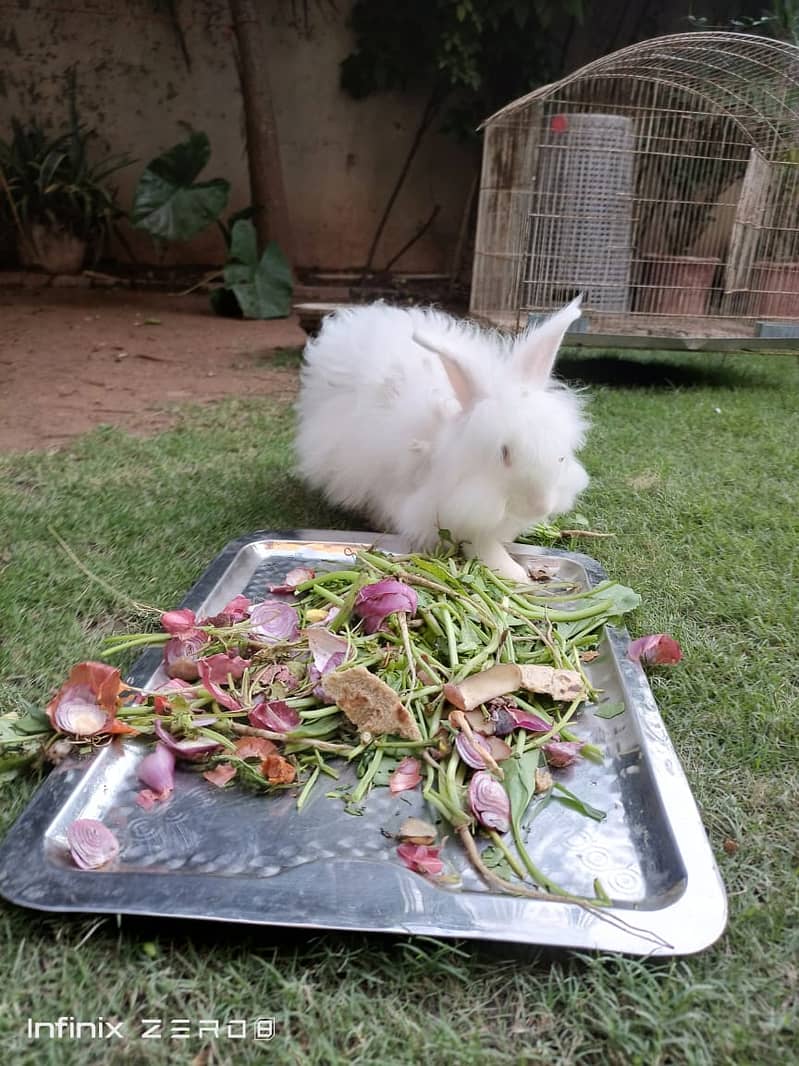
{"points": [[309, 944], [661, 371]]}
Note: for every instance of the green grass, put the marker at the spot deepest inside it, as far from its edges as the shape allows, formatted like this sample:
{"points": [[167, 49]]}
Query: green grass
{"points": [[695, 469]]}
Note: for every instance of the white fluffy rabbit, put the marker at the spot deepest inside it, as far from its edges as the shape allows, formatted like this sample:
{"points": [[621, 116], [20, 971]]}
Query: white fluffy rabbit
{"points": [[426, 422]]}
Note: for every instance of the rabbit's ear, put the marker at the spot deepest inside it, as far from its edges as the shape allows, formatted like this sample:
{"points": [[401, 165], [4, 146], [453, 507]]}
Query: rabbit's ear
{"points": [[466, 390], [535, 352]]}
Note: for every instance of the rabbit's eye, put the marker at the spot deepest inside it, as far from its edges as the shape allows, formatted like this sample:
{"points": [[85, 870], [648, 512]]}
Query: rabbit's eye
{"points": [[504, 453]]}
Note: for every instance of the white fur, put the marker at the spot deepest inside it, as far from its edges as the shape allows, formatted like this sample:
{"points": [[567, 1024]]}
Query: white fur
{"points": [[411, 431]]}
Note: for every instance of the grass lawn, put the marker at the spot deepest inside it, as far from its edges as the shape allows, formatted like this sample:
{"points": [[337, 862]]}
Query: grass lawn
{"points": [[695, 469]]}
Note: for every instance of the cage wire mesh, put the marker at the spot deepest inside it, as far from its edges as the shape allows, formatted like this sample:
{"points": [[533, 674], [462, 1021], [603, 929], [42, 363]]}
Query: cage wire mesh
{"points": [[661, 181]]}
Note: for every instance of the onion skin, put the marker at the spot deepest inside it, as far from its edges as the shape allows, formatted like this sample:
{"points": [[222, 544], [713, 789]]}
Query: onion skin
{"points": [[91, 844], [293, 578], [561, 753], [185, 749], [179, 622], [273, 622], [658, 649], [489, 802], [78, 714], [375, 602], [181, 654], [405, 777], [532, 722], [417, 831], [90, 688], [157, 770], [275, 715], [421, 859], [471, 753]]}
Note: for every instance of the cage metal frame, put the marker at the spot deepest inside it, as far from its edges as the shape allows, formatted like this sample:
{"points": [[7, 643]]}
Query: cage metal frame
{"points": [[710, 123]]}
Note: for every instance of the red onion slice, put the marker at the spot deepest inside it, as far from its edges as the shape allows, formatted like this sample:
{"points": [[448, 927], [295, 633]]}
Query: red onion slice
{"points": [[471, 752], [489, 802], [274, 715], [185, 749], [91, 844], [274, 622]]}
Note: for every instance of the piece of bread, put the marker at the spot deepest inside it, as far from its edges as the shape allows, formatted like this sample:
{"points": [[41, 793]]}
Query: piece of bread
{"points": [[370, 703]]}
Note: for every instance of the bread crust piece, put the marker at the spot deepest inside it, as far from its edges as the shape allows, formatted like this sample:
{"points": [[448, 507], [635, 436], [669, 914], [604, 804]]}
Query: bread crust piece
{"points": [[370, 703], [504, 678]]}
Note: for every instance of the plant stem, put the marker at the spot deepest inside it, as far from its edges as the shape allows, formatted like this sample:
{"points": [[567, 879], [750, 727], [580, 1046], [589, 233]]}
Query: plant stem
{"points": [[366, 781], [307, 742], [510, 858], [306, 790]]}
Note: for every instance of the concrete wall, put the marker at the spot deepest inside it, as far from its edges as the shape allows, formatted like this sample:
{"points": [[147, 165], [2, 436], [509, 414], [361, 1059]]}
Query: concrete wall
{"points": [[340, 156]]}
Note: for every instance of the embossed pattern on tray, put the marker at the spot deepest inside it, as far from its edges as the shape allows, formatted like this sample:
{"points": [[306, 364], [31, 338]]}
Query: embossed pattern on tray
{"points": [[231, 855]]}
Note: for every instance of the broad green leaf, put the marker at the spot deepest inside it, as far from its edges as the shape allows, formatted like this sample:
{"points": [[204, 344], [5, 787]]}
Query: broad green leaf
{"points": [[263, 288], [181, 164], [9, 734], [168, 203], [243, 246], [609, 710], [35, 721], [436, 570], [619, 599], [570, 631], [520, 785]]}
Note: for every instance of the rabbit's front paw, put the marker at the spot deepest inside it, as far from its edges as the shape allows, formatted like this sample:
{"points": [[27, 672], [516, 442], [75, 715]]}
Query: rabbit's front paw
{"points": [[513, 571], [496, 558]]}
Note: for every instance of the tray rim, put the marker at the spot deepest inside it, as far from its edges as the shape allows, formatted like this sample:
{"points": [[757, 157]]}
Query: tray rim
{"points": [[692, 922]]}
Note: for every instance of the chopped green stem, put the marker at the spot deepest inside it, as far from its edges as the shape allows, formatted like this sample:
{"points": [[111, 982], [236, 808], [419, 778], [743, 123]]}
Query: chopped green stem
{"points": [[323, 712], [331, 597], [139, 641], [330, 577], [580, 594], [452, 640], [432, 621], [211, 734], [477, 662], [379, 562], [366, 781], [306, 790]]}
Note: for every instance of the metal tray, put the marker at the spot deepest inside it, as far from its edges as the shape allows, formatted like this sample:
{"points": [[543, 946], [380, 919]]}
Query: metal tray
{"points": [[234, 856]]}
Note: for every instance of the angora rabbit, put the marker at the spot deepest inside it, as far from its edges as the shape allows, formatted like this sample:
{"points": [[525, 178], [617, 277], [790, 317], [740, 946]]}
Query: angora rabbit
{"points": [[426, 422]]}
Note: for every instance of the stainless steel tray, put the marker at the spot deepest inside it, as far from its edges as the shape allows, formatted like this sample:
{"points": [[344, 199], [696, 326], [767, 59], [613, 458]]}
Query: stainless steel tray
{"points": [[234, 856]]}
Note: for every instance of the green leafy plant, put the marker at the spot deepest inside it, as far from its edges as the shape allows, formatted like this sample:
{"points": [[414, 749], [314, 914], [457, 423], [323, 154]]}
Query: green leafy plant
{"points": [[255, 286], [169, 203], [50, 180]]}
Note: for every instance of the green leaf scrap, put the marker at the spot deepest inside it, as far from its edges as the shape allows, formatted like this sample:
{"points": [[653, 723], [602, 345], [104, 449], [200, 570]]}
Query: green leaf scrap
{"points": [[262, 287], [169, 203]]}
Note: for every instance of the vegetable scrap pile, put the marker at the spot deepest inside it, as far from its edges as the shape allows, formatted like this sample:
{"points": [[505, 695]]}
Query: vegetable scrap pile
{"points": [[423, 672]]}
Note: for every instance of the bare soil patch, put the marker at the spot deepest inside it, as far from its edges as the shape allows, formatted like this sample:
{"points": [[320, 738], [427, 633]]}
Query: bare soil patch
{"points": [[71, 360]]}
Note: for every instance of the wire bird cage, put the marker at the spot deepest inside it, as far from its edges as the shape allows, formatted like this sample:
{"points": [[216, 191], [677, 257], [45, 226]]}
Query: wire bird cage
{"points": [[661, 182]]}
